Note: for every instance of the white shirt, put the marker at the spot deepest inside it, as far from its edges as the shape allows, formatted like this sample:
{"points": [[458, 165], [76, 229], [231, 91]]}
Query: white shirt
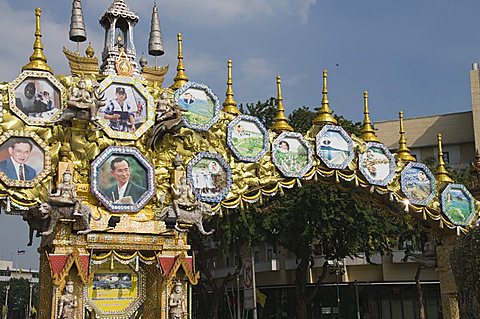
{"points": [[17, 168], [121, 191]]}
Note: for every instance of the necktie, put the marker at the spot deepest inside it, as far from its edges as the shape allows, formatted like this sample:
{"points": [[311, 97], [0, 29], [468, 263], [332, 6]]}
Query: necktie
{"points": [[21, 175]]}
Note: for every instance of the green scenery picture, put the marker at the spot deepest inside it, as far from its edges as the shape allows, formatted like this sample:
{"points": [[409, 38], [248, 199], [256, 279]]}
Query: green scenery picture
{"points": [[457, 207], [291, 156], [198, 106], [247, 138]]}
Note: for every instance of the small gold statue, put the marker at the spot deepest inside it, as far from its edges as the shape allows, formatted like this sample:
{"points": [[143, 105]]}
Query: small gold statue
{"points": [[68, 303], [177, 302]]}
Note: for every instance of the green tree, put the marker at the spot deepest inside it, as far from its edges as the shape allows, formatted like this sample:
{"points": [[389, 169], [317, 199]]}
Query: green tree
{"points": [[18, 296]]}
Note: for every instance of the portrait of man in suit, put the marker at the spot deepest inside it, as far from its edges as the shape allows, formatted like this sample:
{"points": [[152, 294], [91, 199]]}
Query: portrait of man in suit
{"points": [[15, 167], [123, 191]]}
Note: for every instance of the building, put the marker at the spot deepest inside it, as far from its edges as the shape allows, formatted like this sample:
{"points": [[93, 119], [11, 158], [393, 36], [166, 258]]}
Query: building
{"points": [[7, 272]]}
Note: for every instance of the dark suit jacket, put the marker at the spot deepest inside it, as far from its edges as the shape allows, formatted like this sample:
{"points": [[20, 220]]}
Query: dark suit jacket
{"points": [[7, 167], [133, 190]]}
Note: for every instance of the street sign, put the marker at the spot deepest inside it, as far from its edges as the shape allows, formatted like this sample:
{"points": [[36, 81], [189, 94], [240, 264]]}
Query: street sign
{"points": [[248, 284]]}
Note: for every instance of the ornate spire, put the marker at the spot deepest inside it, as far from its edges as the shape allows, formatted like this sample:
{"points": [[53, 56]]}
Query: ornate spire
{"points": [[155, 42], [281, 122], [403, 152], [181, 78], [230, 106], [77, 33], [38, 61], [368, 134], [442, 174], [325, 113]]}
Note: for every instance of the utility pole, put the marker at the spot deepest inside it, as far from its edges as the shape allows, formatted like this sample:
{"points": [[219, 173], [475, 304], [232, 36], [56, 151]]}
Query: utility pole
{"points": [[6, 300], [30, 300]]}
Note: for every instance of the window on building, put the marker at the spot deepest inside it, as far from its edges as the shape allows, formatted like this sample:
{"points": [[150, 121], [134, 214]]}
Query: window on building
{"points": [[269, 253], [257, 256], [446, 157]]}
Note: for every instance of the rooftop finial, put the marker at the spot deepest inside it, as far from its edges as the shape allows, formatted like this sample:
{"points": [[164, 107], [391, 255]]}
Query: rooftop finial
{"points": [[38, 61], [281, 123], [403, 152], [230, 106], [155, 41], [77, 33], [325, 113], [181, 78], [442, 174], [368, 134]]}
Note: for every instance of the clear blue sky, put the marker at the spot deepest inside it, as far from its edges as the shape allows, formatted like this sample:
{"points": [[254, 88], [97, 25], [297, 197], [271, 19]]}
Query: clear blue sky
{"points": [[410, 55]]}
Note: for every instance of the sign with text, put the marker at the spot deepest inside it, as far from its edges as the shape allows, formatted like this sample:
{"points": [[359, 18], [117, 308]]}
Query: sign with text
{"points": [[248, 284]]}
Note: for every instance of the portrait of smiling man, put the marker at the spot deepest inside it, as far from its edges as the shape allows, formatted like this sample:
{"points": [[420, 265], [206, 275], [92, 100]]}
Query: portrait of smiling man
{"points": [[16, 167], [123, 190]]}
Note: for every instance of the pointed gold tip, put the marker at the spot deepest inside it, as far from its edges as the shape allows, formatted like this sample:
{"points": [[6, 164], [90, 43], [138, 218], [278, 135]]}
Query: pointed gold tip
{"points": [[368, 133], [324, 115], [38, 61], [281, 123], [230, 105], [403, 152], [181, 78], [442, 174]]}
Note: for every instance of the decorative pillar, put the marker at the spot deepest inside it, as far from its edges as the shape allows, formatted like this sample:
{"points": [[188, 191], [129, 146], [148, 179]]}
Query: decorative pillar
{"points": [[448, 287]]}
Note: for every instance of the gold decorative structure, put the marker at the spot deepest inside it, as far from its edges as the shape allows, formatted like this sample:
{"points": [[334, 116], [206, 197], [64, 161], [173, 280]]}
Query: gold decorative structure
{"points": [[325, 113], [230, 105], [442, 174], [38, 61], [368, 133], [403, 152], [181, 78], [145, 242], [281, 123]]}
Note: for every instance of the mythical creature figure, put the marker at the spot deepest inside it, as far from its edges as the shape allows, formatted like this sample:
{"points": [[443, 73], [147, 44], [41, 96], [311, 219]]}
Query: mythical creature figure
{"points": [[82, 101], [35, 223], [194, 216], [168, 119]]}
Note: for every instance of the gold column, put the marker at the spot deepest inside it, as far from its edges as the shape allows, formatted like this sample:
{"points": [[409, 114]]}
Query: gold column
{"points": [[448, 287], [181, 78], [368, 134], [442, 175], [230, 105], [325, 113], [281, 122], [403, 152], [38, 61]]}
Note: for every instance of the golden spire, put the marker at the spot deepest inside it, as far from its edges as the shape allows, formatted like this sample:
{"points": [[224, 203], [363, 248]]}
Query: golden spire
{"points": [[368, 134], [325, 114], [230, 106], [281, 122], [442, 174], [181, 78], [403, 152], [38, 61]]}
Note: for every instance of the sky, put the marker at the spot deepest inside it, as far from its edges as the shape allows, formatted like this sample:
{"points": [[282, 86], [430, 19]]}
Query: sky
{"points": [[411, 55]]}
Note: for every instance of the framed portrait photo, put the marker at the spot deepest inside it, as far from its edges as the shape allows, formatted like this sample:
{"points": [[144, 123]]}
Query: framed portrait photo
{"points": [[210, 177], [292, 154], [36, 97], [129, 111], [247, 137], [122, 179], [200, 106], [24, 159]]}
